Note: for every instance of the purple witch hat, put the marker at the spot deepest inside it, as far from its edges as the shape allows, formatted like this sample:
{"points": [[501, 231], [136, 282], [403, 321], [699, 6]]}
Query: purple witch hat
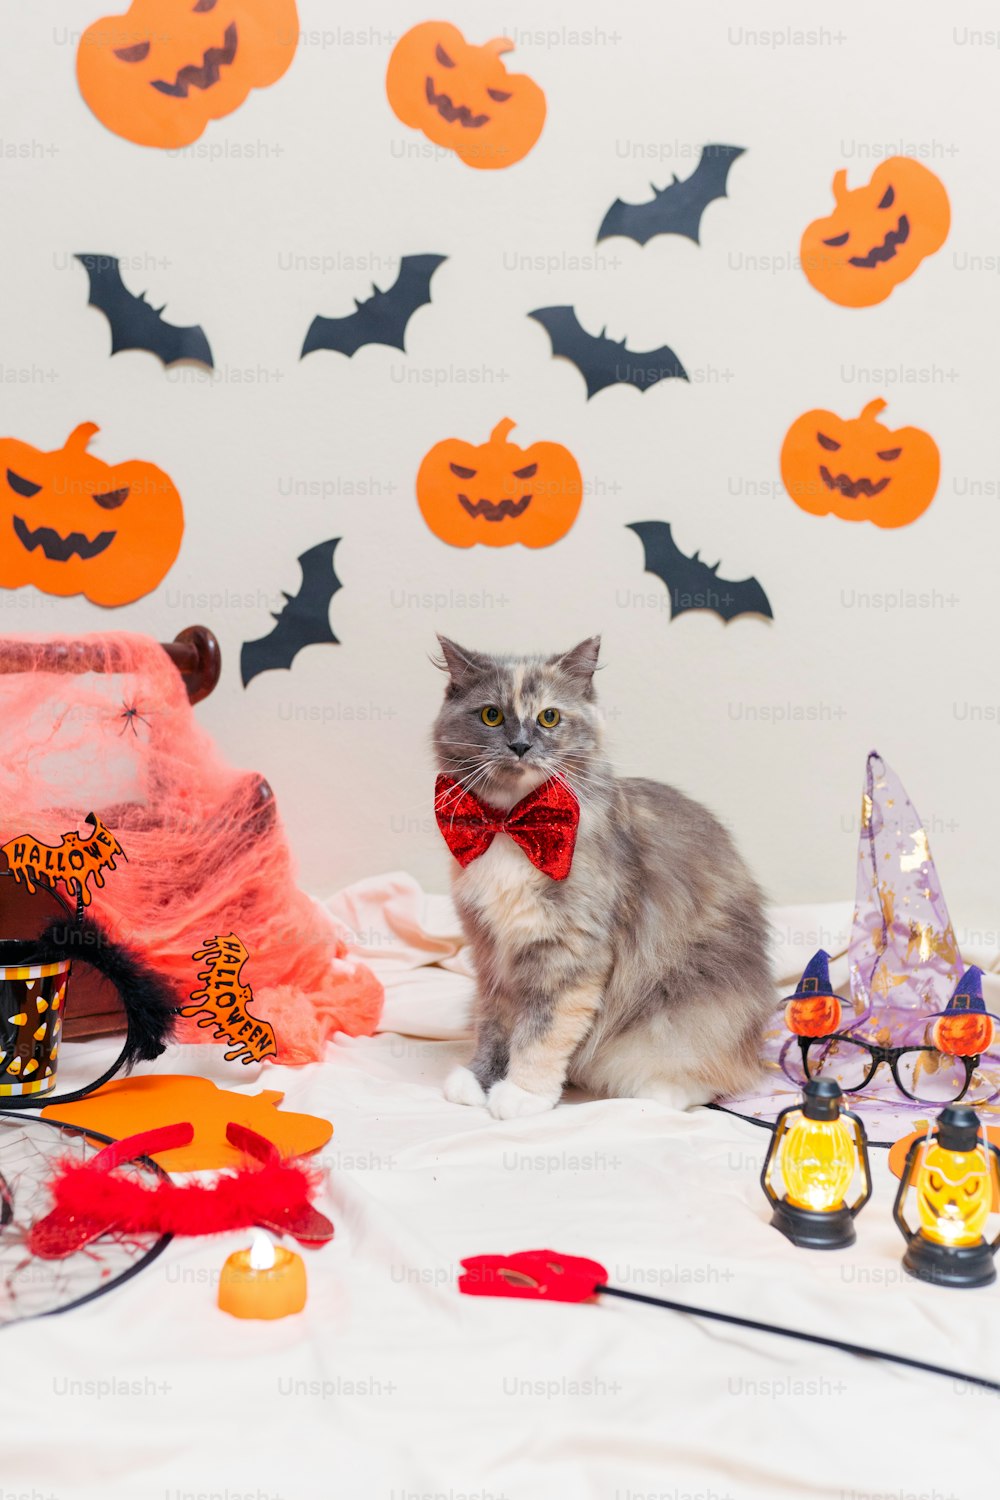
{"points": [[903, 957]]}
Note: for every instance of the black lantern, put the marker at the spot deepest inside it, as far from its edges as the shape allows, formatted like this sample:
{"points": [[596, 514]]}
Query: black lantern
{"points": [[955, 1176], [818, 1155]]}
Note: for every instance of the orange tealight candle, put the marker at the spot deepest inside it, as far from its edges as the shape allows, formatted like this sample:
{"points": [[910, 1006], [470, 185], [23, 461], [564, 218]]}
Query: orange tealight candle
{"points": [[265, 1281]]}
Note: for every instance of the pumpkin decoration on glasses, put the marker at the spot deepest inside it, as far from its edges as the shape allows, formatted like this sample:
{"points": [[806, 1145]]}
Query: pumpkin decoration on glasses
{"points": [[878, 234], [858, 469], [965, 1028], [159, 73], [462, 97], [498, 493], [72, 524], [814, 1009]]}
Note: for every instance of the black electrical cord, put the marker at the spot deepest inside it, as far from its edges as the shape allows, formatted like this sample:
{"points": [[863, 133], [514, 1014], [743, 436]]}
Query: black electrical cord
{"points": [[808, 1338]]}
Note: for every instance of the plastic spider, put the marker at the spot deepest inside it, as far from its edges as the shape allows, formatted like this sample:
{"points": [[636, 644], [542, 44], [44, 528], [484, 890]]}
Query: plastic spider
{"points": [[129, 714]]}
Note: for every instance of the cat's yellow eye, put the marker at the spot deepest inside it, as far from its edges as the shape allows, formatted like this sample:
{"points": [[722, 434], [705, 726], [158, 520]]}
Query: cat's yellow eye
{"points": [[549, 718], [491, 715]]}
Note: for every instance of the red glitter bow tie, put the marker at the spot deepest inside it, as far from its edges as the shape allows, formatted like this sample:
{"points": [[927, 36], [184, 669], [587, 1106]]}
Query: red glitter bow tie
{"points": [[543, 824]]}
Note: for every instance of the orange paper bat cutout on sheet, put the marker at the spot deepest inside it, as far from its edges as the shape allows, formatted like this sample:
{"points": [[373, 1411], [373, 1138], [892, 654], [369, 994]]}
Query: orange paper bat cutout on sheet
{"points": [[223, 1002], [74, 860], [152, 1100]]}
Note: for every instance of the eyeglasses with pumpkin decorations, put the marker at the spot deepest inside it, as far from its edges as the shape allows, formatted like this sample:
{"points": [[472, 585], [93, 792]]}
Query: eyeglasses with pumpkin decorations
{"points": [[923, 1074]]}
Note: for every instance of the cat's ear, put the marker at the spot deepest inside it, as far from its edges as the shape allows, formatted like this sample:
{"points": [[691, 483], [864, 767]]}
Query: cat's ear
{"points": [[581, 662], [460, 664]]}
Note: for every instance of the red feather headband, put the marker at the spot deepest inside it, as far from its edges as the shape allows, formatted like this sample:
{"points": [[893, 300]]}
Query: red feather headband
{"points": [[92, 1198]]}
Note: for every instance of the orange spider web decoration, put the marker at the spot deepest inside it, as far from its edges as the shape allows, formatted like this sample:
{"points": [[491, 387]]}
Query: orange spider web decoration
{"points": [[207, 851]]}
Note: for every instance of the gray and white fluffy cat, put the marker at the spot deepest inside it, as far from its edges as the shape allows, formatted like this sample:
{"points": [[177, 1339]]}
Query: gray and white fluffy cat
{"points": [[644, 973]]}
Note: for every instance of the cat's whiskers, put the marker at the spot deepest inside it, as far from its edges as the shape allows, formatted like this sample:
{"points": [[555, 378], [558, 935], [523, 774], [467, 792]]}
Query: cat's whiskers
{"points": [[463, 785], [559, 776]]}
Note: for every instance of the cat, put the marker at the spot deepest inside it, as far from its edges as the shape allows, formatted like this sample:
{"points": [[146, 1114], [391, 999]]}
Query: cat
{"points": [[644, 972]]}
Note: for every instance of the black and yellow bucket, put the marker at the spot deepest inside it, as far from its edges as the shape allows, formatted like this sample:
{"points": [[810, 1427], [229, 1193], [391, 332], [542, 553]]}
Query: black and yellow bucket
{"points": [[32, 1007]]}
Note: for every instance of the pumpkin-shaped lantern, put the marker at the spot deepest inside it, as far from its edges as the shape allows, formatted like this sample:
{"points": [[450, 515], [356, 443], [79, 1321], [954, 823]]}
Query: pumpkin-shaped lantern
{"points": [[859, 470], [159, 73], [878, 234], [498, 493], [72, 524], [814, 1009], [462, 97]]}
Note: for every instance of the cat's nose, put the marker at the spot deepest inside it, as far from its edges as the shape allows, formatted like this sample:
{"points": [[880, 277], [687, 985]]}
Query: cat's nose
{"points": [[519, 747]]}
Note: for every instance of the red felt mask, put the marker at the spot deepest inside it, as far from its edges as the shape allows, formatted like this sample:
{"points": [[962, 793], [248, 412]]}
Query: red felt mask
{"points": [[542, 1275]]}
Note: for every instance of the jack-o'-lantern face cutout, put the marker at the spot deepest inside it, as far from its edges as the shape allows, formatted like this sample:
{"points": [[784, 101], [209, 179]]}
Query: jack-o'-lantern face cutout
{"points": [[900, 1150], [70, 524], [878, 234], [498, 493], [462, 96], [858, 469], [159, 73], [954, 1195]]}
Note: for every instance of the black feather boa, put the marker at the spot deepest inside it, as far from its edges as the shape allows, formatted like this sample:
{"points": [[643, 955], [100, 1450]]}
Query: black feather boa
{"points": [[150, 1003]]}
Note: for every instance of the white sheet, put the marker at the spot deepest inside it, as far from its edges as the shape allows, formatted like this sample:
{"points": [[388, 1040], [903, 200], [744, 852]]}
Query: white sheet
{"points": [[391, 1385]]}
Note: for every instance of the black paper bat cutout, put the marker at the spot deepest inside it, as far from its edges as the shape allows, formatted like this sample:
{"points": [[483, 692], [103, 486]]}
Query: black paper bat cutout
{"points": [[382, 319], [304, 620], [602, 361], [692, 584], [135, 324], [676, 208]]}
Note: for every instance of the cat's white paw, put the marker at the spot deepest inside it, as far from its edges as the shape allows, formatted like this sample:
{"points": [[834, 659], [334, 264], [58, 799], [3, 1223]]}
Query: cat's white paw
{"points": [[508, 1101], [677, 1095], [463, 1087]]}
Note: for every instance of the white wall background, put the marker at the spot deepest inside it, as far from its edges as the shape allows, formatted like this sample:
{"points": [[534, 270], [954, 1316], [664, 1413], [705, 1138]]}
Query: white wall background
{"points": [[279, 212]]}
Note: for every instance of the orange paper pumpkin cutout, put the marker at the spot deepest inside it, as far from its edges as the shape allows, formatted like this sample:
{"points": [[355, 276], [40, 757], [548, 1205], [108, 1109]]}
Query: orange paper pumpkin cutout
{"points": [[74, 861], [72, 524], [900, 1149], [159, 73], [816, 1015], [129, 1105], [877, 235], [498, 493], [462, 97], [858, 469]]}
